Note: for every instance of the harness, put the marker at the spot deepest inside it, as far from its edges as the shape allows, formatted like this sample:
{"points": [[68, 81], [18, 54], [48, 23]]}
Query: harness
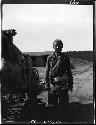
{"points": [[58, 80]]}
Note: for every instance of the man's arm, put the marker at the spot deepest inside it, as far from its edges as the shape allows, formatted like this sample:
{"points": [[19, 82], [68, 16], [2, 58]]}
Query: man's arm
{"points": [[70, 77], [47, 75]]}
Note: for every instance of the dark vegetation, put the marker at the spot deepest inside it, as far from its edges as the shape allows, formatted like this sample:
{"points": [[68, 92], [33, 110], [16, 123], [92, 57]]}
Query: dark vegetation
{"points": [[84, 55], [78, 113], [18, 112]]}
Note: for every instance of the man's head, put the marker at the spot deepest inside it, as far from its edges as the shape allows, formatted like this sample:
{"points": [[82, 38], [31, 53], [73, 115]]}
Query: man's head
{"points": [[57, 45]]}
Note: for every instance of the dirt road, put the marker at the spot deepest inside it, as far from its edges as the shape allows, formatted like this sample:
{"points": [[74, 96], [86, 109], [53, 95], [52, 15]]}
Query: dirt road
{"points": [[83, 83], [81, 98]]}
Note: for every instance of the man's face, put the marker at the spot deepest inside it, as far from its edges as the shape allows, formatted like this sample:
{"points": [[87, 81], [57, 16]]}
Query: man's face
{"points": [[58, 47]]}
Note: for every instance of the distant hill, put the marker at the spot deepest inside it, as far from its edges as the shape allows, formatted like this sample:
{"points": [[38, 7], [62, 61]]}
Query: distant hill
{"points": [[38, 53], [84, 55]]}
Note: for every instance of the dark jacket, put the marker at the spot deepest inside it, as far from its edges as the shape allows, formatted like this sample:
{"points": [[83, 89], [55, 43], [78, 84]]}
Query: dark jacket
{"points": [[58, 66]]}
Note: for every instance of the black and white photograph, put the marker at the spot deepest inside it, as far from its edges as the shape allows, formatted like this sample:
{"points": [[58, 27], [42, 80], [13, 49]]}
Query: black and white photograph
{"points": [[47, 66]]}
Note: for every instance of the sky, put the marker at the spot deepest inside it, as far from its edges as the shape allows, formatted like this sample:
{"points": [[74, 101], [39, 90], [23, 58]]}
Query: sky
{"points": [[38, 25]]}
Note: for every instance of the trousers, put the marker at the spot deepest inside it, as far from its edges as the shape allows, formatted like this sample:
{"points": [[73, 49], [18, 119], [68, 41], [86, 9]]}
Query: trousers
{"points": [[59, 98]]}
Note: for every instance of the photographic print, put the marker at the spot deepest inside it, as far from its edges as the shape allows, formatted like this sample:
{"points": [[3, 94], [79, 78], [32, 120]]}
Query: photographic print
{"points": [[47, 62]]}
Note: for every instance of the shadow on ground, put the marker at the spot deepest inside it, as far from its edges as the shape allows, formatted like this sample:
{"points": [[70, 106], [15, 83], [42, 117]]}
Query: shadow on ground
{"points": [[77, 113]]}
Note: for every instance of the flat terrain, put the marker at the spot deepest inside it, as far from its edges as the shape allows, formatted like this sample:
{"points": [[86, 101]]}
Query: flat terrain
{"points": [[81, 99]]}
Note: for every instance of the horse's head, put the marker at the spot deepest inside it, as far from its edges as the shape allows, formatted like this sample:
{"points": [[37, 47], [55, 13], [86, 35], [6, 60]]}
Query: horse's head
{"points": [[7, 36], [10, 32]]}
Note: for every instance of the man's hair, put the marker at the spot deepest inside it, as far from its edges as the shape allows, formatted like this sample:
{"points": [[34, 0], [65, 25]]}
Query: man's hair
{"points": [[57, 41]]}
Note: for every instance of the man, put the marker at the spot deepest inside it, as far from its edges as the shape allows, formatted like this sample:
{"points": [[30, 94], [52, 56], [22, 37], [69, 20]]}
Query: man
{"points": [[58, 77]]}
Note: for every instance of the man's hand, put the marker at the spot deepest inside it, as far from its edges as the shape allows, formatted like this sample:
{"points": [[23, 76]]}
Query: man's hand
{"points": [[47, 89], [70, 88], [47, 86]]}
